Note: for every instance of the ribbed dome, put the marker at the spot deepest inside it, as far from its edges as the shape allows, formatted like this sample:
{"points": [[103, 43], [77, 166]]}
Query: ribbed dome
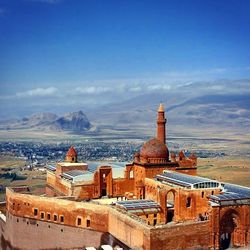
{"points": [[154, 149], [71, 152]]}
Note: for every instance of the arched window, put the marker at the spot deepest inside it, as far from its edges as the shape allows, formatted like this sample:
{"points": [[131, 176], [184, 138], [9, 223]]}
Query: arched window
{"points": [[170, 198]]}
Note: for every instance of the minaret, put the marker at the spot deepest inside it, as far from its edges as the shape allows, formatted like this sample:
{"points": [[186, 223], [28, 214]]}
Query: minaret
{"points": [[161, 123]]}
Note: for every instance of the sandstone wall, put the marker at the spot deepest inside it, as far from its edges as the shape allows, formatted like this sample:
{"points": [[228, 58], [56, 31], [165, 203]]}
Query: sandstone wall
{"points": [[58, 184], [185, 236], [28, 234], [39, 208], [130, 231]]}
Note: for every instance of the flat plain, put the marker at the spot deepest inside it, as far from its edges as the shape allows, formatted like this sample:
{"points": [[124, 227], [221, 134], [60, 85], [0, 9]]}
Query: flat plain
{"points": [[223, 154], [226, 169]]}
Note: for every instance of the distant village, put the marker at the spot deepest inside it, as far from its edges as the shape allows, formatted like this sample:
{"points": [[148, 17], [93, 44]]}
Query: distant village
{"points": [[38, 154]]}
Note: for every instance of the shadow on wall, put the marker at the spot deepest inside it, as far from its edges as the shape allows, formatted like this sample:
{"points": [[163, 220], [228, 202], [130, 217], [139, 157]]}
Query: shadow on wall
{"points": [[5, 245], [108, 239]]}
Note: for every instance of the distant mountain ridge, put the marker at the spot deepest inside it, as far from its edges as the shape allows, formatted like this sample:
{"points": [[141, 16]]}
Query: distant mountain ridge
{"points": [[220, 110], [76, 122]]}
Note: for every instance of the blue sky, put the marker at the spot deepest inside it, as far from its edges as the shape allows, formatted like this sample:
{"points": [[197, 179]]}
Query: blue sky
{"points": [[88, 47]]}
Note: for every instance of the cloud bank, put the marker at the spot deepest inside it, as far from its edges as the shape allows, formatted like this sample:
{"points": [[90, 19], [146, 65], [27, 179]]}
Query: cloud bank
{"points": [[73, 96], [38, 92], [115, 89]]}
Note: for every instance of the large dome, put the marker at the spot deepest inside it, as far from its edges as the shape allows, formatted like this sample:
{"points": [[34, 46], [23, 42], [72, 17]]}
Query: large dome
{"points": [[154, 149]]}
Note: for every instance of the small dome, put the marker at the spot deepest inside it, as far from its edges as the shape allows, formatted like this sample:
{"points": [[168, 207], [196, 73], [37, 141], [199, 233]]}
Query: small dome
{"points": [[71, 152], [154, 149]]}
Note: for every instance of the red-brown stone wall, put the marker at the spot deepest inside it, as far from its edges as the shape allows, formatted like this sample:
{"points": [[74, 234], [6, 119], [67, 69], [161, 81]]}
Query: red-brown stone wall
{"points": [[132, 232], [186, 236], [199, 203], [59, 184], [121, 186], [85, 192], [239, 229], [28, 234], [24, 205]]}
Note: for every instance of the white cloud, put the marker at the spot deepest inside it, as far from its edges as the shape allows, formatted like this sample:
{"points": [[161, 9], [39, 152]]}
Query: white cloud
{"points": [[153, 87], [92, 90], [136, 89], [38, 92]]}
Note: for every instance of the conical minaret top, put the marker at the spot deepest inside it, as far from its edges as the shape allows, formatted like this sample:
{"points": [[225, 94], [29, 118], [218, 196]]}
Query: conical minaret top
{"points": [[161, 124], [161, 108]]}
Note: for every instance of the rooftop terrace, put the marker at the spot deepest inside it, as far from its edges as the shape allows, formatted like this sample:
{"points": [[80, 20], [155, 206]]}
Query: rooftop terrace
{"points": [[186, 181], [139, 206]]}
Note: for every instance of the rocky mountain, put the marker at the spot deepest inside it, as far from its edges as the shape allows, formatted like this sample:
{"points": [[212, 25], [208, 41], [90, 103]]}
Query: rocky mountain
{"points": [[76, 122], [221, 110], [220, 104], [213, 110]]}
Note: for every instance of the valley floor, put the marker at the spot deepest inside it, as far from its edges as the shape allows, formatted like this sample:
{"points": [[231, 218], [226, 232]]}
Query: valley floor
{"points": [[227, 169]]}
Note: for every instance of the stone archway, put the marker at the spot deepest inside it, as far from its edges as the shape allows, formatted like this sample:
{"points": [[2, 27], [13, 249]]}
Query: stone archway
{"points": [[170, 205], [229, 227]]}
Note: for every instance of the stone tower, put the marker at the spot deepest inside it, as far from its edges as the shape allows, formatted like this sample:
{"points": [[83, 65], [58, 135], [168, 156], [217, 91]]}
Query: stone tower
{"points": [[161, 124], [71, 155]]}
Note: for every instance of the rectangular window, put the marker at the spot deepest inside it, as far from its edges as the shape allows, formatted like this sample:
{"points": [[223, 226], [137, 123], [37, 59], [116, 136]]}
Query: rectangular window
{"points": [[48, 216], [155, 215], [61, 219], [188, 202], [79, 221], [88, 223], [202, 194], [42, 215], [155, 222], [55, 217], [35, 211]]}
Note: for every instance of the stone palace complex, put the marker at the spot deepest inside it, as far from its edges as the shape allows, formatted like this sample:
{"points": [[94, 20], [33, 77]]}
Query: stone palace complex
{"points": [[158, 202]]}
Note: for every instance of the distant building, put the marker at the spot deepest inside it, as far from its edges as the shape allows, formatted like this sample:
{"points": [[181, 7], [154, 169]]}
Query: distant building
{"points": [[158, 202]]}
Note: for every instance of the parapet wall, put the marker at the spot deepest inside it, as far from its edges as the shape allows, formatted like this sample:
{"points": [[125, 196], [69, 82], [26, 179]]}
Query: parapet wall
{"points": [[80, 214], [132, 232], [60, 185], [96, 221], [188, 236]]}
